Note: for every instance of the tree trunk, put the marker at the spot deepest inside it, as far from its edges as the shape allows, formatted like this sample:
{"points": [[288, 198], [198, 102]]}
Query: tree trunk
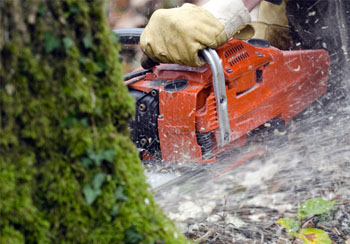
{"points": [[68, 170]]}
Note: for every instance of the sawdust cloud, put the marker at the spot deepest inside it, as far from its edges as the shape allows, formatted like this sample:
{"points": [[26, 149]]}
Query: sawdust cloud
{"points": [[312, 159]]}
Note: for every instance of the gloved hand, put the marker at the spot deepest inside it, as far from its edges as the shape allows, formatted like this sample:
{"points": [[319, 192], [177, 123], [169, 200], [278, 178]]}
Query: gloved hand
{"points": [[176, 35]]}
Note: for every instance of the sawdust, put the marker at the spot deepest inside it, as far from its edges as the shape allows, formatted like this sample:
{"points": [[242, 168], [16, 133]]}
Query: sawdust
{"points": [[311, 160]]}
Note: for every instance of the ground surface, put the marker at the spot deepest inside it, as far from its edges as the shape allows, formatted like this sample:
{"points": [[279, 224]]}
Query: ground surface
{"points": [[242, 206]]}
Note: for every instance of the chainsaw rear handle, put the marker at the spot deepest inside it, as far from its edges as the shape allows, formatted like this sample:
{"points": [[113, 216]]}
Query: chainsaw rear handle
{"points": [[132, 36]]}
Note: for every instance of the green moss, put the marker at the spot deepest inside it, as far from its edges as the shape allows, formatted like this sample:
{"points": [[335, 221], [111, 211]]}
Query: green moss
{"points": [[68, 170]]}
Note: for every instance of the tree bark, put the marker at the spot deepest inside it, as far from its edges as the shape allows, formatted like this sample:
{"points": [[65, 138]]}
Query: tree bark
{"points": [[68, 170]]}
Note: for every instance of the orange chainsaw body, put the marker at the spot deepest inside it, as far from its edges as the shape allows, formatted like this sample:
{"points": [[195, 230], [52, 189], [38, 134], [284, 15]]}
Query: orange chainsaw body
{"points": [[262, 83]]}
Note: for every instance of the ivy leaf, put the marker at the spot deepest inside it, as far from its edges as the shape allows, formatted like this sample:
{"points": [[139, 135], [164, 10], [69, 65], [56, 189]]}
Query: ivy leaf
{"points": [[98, 181], [86, 162], [314, 236], [314, 207], [114, 212], [291, 225], [98, 112], [97, 158], [74, 9], [120, 196], [84, 122], [87, 40], [51, 42], [90, 194], [101, 62], [109, 155], [41, 9], [83, 60], [69, 121], [68, 43], [132, 236]]}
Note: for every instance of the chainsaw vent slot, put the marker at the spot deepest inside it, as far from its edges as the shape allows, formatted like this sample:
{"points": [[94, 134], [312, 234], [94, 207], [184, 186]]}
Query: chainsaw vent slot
{"points": [[233, 50], [213, 121], [238, 58], [236, 54]]}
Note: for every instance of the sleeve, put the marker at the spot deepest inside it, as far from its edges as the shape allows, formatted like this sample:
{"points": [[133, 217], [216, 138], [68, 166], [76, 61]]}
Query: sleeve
{"points": [[231, 13]]}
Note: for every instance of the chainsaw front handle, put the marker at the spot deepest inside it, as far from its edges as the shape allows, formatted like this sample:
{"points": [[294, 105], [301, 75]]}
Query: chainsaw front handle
{"points": [[132, 36], [214, 61]]}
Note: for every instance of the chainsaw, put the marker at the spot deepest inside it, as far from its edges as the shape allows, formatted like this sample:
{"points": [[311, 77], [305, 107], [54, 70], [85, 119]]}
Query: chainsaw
{"points": [[192, 114]]}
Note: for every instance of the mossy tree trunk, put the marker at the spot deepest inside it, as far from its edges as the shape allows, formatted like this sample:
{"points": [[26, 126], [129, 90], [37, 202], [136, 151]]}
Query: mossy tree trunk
{"points": [[68, 171]]}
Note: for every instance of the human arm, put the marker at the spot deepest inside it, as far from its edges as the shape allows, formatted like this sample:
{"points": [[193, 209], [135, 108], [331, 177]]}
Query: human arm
{"points": [[176, 35]]}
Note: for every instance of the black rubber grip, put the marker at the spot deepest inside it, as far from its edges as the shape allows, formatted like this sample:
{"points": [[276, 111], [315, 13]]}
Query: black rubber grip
{"points": [[129, 36], [137, 73]]}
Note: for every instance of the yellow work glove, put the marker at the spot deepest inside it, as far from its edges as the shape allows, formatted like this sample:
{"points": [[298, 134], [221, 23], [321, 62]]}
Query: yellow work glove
{"points": [[176, 35]]}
